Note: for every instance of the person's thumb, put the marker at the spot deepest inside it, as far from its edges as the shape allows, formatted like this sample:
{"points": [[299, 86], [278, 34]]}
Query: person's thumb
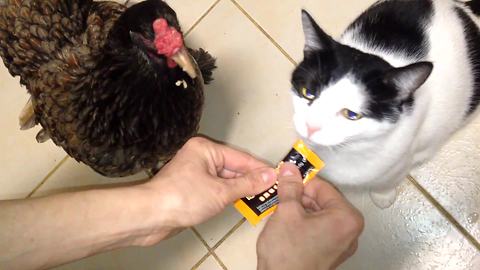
{"points": [[253, 183], [290, 183]]}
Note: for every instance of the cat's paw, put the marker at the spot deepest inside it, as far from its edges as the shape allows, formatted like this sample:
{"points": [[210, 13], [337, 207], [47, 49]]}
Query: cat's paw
{"points": [[383, 199]]}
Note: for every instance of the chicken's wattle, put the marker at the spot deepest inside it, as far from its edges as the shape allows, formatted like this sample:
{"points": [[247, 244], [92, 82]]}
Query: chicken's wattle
{"points": [[168, 41]]}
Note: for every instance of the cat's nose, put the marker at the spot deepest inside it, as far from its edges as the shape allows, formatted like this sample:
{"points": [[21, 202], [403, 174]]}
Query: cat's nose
{"points": [[312, 130]]}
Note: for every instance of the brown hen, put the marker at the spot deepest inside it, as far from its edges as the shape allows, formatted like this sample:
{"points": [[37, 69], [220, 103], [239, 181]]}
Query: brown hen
{"points": [[100, 86]]}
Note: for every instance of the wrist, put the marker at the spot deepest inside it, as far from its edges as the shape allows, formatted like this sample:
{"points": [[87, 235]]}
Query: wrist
{"points": [[136, 216], [153, 218]]}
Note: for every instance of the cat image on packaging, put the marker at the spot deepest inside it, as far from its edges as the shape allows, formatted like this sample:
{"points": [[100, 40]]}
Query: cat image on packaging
{"points": [[390, 92]]}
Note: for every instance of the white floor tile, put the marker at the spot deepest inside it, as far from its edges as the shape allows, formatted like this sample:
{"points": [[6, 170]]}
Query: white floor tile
{"points": [[410, 235], [453, 177]]}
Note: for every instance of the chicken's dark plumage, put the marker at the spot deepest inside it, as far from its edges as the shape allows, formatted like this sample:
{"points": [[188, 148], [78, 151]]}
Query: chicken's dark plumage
{"points": [[97, 86]]}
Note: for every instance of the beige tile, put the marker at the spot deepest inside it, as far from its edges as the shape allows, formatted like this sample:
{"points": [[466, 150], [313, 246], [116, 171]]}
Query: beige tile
{"points": [[180, 252], [453, 177], [214, 230], [73, 175], [23, 162], [209, 264], [248, 104], [188, 11], [409, 235], [283, 23], [239, 250]]}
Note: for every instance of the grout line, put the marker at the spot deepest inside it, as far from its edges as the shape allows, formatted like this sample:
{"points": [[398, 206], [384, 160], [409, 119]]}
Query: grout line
{"points": [[445, 213], [202, 17], [275, 43], [222, 265], [230, 232], [225, 237], [210, 250], [195, 266], [199, 236], [44, 180]]}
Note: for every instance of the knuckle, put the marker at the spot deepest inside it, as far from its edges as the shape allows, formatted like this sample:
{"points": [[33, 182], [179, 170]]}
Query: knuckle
{"points": [[251, 182], [354, 248], [349, 225], [291, 187], [224, 194], [290, 182], [289, 209], [358, 222], [263, 245]]}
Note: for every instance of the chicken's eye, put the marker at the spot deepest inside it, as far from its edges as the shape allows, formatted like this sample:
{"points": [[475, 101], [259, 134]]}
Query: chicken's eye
{"points": [[307, 95], [350, 115]]}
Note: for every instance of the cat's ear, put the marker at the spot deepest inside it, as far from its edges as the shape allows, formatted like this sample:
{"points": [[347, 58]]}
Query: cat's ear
{"points": [[409, 78], [315, 38]]}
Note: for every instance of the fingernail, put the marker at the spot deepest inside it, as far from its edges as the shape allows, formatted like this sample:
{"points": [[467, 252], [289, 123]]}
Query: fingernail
{"points": [[286, 173], [287, 169]]}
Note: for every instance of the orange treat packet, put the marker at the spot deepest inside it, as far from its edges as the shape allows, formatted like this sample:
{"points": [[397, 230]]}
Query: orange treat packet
{"points": [[256, 208]]}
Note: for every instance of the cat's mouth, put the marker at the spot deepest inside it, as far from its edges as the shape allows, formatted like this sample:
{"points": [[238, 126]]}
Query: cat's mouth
{"points": [[309, 142], [313, 142]]}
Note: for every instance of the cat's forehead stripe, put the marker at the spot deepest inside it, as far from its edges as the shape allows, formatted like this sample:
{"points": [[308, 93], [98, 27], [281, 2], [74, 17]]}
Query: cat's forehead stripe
{"points": [[346, 92], [347, 83]]}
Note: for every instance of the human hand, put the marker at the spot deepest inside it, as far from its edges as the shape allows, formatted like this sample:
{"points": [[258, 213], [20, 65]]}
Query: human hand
{"points": [[203, 178], [313, 228], [197, 184]]}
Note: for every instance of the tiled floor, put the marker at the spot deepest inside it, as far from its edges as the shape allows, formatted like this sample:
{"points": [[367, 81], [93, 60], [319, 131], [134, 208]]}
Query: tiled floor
{"points": [[433, 225]]}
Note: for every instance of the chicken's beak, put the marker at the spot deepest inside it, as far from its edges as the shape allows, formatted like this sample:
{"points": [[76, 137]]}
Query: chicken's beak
{"points": [[185, 61]]}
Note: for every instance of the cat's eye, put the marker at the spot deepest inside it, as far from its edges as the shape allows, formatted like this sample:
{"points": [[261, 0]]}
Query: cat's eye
{"points": [[307, 95], [351, 115]]}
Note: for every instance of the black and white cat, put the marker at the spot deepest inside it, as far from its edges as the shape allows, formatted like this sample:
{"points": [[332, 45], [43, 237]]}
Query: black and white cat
{"points": [[384, 98]]}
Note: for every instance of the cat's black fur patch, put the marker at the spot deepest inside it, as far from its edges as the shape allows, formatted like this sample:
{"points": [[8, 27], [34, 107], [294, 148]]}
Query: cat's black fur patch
{"points": [[472, 35], [474, 5], [396, 26]]}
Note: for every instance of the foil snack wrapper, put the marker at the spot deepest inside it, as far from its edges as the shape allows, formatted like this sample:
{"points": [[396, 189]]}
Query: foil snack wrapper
{"points": [[256, 208]]}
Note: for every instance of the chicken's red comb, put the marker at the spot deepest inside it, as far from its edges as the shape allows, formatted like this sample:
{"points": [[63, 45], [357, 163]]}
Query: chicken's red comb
{"points": [[168, 40]]}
